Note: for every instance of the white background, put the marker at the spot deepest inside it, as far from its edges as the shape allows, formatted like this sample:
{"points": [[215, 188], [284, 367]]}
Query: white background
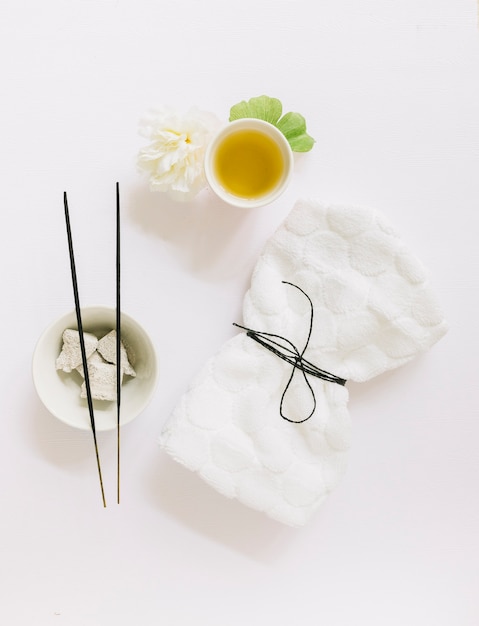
{"points": [[390, 92]]}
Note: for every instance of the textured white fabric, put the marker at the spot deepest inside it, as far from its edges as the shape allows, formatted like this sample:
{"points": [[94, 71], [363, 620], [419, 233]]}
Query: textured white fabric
{"points": [[373, 311]]}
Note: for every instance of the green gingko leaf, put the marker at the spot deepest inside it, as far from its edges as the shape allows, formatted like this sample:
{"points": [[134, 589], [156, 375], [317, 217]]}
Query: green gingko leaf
{"points": [[261, 107], [293, 127]]}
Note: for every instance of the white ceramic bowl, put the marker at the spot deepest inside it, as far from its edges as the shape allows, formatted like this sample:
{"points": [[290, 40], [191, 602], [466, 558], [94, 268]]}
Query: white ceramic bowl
{"points": [[60, 391]]}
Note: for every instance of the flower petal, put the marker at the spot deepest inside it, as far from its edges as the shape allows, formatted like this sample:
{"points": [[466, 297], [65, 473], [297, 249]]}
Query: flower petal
{"points": [[174, 157]]}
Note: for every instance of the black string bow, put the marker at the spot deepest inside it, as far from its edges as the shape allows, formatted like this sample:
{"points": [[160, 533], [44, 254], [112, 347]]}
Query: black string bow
{"points": [[286, 350]]}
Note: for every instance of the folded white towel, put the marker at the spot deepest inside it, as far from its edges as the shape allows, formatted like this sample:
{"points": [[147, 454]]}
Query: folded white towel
{"points": [[373, 311]]}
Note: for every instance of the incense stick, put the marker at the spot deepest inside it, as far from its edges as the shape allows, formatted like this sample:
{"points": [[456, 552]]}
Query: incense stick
{"points": [[82, 341], [118, 341]]}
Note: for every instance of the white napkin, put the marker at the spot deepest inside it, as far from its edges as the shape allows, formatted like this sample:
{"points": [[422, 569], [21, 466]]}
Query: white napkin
{"points": [[373, 311]]}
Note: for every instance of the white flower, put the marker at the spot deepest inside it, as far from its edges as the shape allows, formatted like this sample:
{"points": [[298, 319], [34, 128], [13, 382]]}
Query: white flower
{"points": [[174, 157]]}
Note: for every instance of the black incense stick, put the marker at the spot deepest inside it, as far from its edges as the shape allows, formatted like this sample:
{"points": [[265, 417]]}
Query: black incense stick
{"points": [[82, 341], [118, 340]]}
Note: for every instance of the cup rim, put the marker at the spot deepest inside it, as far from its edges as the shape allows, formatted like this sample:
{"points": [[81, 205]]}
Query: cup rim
{"points": [[271, 131]]}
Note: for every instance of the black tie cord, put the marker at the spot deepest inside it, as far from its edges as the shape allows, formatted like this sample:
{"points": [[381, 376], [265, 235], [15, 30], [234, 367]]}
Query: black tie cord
{"points": [[286, 350]]}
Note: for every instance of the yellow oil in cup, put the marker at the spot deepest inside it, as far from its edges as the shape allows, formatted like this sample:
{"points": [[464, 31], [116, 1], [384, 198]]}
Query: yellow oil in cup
{"points": [[249, 164]]}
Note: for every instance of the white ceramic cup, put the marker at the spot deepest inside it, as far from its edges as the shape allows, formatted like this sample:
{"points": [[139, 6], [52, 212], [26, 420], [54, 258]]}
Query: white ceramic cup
{"points": [[248, 163]]}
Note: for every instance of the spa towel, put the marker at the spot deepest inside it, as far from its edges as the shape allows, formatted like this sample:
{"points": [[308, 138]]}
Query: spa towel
{"points": [[373, 311]]}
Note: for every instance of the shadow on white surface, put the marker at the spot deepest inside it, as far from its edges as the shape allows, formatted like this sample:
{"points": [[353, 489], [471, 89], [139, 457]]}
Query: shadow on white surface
{"points": [[362, 394], [59, 443], [210, 235], [396, 381], [183, 496]]}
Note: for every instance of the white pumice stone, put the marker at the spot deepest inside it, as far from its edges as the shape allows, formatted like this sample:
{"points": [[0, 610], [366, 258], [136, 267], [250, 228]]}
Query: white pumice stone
{"points": [[94, 358], [70, 357], [107, 349], [101, 361], [102, 378]]}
